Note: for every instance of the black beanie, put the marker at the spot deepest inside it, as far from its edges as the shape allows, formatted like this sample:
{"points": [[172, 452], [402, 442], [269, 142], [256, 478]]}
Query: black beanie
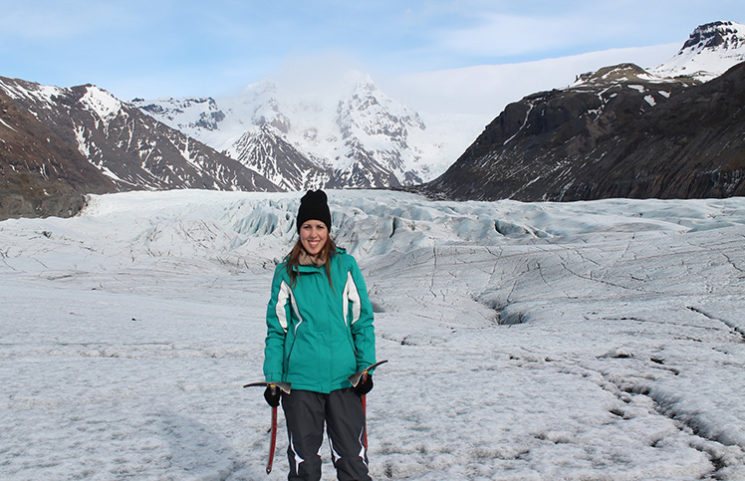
{"points": [[313, 205]]}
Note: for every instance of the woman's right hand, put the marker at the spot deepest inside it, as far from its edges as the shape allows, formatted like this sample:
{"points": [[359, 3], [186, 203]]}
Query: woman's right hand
{"points": [[272, 395]]}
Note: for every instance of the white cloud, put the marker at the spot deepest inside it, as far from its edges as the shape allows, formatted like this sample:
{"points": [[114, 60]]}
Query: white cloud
{"points": [[502, 35]]}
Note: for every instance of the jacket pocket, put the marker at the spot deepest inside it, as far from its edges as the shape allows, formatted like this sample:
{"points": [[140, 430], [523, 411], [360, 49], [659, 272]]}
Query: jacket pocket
{"points": [[289, 349], [292, 354]]}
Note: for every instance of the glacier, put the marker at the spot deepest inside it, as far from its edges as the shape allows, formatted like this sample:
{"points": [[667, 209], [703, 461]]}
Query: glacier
{"points": [[598, 340]]}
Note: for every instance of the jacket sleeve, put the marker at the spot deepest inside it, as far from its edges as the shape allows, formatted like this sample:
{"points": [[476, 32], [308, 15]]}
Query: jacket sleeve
{"points": [[277, 320], [361, 322]]}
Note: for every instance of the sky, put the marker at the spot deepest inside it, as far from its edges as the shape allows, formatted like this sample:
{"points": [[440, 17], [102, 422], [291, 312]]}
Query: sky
{"points": [[163, 48]]}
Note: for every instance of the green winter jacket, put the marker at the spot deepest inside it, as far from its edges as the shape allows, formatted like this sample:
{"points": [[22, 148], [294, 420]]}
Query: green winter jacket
{"points": [[318, 336]]}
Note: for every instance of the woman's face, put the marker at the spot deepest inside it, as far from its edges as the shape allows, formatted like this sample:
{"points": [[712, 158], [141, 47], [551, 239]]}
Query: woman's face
{"points": [[313, 236]]}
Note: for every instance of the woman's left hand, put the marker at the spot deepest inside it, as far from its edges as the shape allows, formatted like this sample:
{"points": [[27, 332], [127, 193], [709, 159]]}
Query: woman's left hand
{"points": [[364, 386]]}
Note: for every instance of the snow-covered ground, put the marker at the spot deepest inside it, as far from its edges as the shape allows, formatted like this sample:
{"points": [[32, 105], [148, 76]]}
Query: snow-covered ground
{"points": [[596, 340]]}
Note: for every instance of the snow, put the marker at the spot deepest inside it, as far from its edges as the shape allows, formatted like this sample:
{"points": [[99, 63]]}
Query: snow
{"points": [[83, 146], [105, 105], [191, 157], [7, 125], [42, 93], [599, 340]]}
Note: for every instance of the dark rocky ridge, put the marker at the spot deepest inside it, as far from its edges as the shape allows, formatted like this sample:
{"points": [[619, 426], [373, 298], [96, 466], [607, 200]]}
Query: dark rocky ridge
{"points": [[712, 35], [618, 133]]}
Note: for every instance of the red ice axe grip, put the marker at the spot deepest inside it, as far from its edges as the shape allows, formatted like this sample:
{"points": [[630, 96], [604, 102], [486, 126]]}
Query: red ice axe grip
{"points": [[364, 413], [273, 443]]}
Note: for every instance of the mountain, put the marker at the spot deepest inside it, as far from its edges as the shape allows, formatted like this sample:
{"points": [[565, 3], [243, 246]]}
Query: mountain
{"points": [[264, 149], [710, 50], [124, 148], [351, 135], [40, 173], [618, 132]]}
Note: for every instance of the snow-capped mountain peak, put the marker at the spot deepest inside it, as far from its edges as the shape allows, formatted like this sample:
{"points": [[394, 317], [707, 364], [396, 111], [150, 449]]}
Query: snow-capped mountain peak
{"points": [[101, 102], [347, 127], [709, 51], [722, 35], [267, 109], [185, 114]]}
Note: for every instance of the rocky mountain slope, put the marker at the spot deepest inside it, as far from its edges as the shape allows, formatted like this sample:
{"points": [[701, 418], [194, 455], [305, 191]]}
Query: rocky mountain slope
{"points": [[40, 173], [51, 131], [353, 136], [617, 132], [265, 150]]}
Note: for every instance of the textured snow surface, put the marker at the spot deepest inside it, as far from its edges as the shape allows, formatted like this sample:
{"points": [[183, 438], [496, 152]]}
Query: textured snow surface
{"points": [[598, 340]]}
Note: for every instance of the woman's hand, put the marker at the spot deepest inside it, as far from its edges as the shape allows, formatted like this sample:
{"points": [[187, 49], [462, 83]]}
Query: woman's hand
{"points": [[272, 395], [364, 386]]}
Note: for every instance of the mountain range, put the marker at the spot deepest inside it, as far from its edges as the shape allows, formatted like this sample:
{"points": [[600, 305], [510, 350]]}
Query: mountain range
{"points": [[349, 135], [61, 143], [618, 131]]}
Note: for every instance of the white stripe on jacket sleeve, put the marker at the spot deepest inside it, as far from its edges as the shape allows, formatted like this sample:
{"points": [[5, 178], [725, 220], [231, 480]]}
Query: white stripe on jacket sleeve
{"points": [[285, 294], [351, 294], [282, 297]]}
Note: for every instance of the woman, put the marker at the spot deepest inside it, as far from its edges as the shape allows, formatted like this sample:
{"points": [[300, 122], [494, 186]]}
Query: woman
{"points": [[320, 332]]}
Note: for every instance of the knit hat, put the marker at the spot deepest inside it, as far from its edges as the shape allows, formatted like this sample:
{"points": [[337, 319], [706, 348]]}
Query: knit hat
{"points": [[313, 205]]}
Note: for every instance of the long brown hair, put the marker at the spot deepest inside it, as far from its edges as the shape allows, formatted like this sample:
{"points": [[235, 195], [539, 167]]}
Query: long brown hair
{"points": [[293, 259]]}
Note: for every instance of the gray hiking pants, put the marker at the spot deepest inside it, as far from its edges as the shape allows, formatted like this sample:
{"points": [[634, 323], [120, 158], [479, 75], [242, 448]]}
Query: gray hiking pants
{"points": [[341, 411]]}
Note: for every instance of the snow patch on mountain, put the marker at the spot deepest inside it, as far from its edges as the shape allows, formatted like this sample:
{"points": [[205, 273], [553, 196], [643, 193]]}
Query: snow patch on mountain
{"points": [[20, 89], [101, 102], [196, 117]]}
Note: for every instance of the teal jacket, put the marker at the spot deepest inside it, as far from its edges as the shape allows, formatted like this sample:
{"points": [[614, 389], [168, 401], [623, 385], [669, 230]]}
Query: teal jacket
{"points": [[318, 336]]}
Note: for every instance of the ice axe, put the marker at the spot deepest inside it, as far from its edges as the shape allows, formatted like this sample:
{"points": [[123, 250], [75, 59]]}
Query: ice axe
{"points": [[355, 379], [285, 387]]}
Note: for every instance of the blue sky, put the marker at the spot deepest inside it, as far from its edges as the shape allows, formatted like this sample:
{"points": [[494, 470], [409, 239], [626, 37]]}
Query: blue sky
{"points": [[177, 48]]}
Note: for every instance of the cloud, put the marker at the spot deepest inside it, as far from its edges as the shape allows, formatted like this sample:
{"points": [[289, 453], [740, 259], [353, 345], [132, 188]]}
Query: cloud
{"points": [[318, 75], [508, 35]]}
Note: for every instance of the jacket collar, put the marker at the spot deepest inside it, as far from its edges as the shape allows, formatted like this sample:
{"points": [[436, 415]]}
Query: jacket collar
{"points": [[309, 269]]}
